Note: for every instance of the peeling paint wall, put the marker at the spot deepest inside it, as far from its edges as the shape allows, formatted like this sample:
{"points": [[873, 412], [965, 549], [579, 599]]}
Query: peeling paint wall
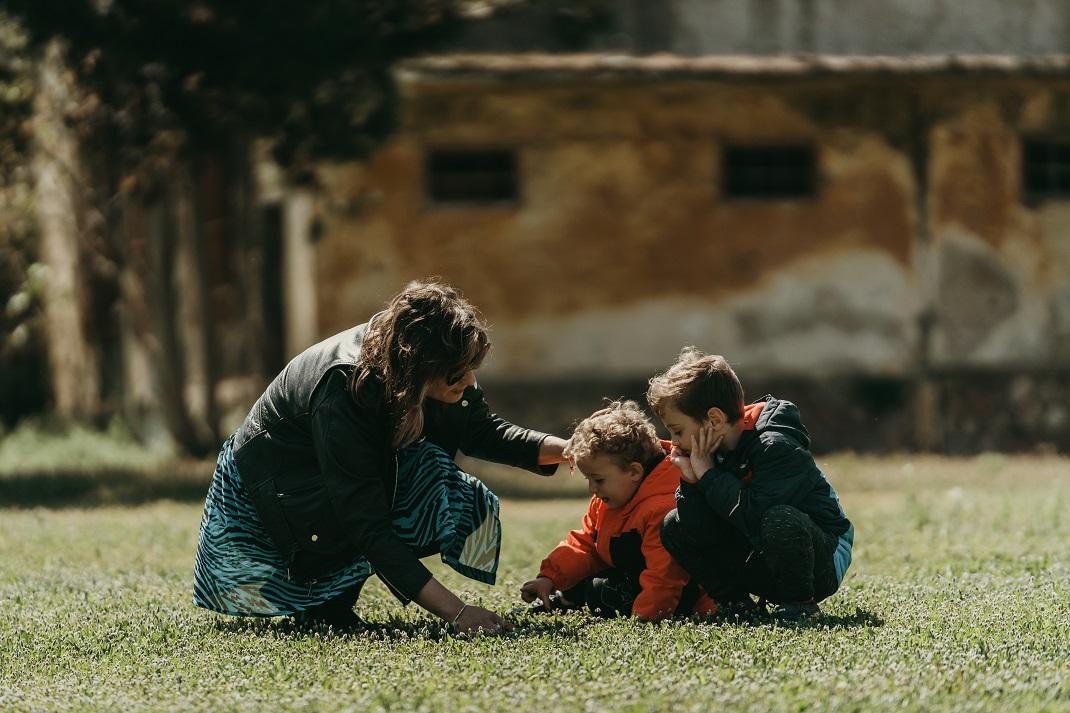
{"points": [[623, 249], [870, 26], [1003, 264], [772, 27]]}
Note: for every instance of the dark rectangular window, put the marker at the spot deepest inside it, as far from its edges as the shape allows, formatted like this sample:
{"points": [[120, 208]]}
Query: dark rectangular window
{"points": [[472, 177], [1046, 168], [770, 172]]}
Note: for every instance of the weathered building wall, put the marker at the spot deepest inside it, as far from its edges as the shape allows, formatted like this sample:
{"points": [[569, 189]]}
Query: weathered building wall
{"points": [[891, 27], [623, 248], [771, 27], [1003, 264], [621, 245]]}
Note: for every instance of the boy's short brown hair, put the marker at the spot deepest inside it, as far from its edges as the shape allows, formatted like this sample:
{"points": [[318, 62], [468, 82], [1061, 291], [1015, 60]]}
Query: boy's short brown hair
{"points": [[696, 383], [620, 430]]}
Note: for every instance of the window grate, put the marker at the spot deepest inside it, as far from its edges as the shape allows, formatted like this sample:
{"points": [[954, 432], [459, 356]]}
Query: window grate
{"points": [[769, 172], [472, 177], [1046, 168]]}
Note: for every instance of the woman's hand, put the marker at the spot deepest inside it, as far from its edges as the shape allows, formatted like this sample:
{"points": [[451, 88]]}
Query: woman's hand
{"points": [[540, 589], [462, 618], [477, 620], [551, 450]]}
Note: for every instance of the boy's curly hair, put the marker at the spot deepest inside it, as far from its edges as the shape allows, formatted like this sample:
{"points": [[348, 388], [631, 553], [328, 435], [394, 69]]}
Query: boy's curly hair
{"points": [[620, 430], [696, 383]]}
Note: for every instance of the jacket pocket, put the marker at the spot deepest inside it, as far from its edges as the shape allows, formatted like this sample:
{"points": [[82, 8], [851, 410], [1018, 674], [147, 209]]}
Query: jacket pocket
{"points": [[311, 518], [298, 519]]}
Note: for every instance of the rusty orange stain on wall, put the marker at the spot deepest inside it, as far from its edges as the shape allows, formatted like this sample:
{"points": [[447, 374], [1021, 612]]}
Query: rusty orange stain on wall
{"points": [[614, 215], [974, 175]]}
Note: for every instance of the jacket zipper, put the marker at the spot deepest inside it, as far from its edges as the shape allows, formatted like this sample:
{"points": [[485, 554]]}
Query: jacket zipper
{"points": [[394, 497], [738, 501]]}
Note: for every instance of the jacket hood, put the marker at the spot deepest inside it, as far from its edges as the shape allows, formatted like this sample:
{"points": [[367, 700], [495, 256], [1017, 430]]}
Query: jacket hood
{"points": [[779, 416]]}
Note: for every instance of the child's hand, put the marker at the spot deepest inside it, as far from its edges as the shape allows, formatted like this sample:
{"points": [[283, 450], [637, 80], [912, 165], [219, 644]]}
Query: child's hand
{"points": [[681, 461], [539, 588], [703, 447]]}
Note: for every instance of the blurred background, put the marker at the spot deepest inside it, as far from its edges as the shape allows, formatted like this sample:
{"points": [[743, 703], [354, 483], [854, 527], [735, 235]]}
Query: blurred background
{"points": [[864, 205]]}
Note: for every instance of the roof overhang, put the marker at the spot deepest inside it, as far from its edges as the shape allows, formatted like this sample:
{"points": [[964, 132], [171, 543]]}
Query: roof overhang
{"points": [[565, 67]]}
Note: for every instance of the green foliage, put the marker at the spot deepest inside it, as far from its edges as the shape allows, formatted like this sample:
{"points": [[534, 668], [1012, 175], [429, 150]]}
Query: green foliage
{"points": [[36, 448], [311, 76], [969, 613], [58, 464], [22, 353]]}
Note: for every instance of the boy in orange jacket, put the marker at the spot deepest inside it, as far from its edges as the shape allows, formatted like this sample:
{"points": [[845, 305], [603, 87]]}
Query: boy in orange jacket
{"points": [[615, 564]]}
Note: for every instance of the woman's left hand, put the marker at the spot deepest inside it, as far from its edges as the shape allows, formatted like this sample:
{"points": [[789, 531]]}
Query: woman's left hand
{"points": [[477, 620]]}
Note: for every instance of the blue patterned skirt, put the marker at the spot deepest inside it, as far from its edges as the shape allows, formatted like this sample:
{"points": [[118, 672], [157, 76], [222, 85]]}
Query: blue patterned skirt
{"points": [[437, 506]]}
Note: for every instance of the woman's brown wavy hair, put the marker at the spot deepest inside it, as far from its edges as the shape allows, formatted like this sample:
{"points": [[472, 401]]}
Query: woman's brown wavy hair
{"points": [[428, 331]]}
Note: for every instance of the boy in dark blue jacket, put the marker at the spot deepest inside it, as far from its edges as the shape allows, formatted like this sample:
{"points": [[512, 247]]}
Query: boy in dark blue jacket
{"points": [[754, 514]]}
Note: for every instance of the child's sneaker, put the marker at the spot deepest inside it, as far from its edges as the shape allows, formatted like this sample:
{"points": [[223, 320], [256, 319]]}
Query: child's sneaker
{"points": [[744, 608], [795, 611]]}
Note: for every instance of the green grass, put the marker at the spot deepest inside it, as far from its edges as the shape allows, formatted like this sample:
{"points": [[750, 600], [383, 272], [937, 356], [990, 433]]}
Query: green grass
{"points": [[56, 464], [958, 599]]}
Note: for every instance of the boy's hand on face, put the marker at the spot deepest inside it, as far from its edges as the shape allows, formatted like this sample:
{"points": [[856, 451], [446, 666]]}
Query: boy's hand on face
{"points": [[539, 588], [703, 446], [681, 461]]}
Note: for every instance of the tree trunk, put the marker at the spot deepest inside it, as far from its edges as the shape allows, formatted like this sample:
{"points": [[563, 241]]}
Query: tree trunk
{"points": [[299, 276], [73, 362], [194, 321], [928, 434], [168, 354], [150, 297], [250, 261]]}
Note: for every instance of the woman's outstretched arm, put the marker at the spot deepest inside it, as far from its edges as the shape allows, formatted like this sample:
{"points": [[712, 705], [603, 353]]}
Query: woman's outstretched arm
{"points": [[465, 618], [550, 450]]}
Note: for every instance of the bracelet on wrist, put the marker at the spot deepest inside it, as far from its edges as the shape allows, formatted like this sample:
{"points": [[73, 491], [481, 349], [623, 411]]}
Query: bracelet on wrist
{"points": [[453, 623]]}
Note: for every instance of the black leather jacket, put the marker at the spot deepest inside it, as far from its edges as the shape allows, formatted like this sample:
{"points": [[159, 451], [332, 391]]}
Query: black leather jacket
{"points": [[322, 473]]}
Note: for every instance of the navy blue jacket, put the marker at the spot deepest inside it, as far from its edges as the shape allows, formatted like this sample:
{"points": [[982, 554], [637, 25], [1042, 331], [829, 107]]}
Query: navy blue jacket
{"points": [[771, 465]]}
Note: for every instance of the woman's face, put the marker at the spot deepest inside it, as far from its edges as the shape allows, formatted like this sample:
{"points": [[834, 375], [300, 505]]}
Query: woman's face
{"points": [[452, 388]]}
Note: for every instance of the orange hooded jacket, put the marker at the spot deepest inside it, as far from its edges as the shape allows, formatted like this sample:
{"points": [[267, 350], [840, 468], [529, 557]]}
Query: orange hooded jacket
{"points": [[586, 552]]}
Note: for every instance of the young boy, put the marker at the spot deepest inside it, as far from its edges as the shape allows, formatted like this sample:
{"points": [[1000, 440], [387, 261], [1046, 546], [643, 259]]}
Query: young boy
{"points": [[615, 564], [754, 513]]}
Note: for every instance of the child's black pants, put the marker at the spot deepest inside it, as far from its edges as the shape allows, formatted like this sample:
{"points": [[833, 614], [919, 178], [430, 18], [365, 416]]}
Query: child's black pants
{"points": [[793, 562], [612, 592]]}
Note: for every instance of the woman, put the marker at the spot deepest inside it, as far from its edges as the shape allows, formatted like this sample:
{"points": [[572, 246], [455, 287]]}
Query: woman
{"points": [[344, 468]]}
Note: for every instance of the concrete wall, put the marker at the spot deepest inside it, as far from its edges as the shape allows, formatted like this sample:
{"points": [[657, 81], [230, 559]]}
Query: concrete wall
{"points": [[870, 26], [621, 245], [1003, 265], [623, 249], [762, 27]]}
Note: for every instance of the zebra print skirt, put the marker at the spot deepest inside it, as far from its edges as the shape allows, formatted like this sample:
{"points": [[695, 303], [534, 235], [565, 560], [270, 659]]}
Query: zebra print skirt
{"points": [[238, 571]]}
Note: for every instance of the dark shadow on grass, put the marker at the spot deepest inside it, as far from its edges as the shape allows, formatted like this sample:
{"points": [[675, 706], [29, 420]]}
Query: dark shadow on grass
{"points": [[67, 489], [394, 629], [563, 627], [185, 481], [859, 620]]}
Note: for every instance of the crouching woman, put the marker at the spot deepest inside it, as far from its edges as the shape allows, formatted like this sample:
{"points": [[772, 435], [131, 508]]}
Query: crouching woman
{"points": [[345, 468]]}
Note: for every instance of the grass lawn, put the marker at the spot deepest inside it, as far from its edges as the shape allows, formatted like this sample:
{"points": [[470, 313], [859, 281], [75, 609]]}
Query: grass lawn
{"points": [[958, 599]]}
